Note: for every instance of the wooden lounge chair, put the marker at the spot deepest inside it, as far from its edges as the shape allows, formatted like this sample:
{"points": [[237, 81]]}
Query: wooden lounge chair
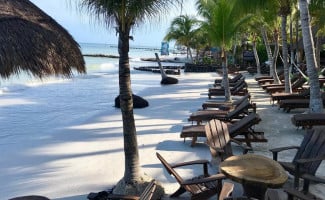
{"points": [[289, 104], [225, 105], [241, 130], [307, 159], [219, 140], [145, 195], [280, 72], [231, 84], [296, 86], [240, 90], [292, 80], [200, 187], [304, 94], [234, 79], [308, 120], [239, 112]]}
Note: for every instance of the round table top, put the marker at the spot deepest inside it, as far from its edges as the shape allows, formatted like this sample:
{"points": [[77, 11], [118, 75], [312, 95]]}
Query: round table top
{"points": [[252, 168]]}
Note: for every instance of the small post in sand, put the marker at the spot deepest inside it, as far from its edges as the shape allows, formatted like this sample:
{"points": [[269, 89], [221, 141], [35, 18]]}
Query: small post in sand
{"points": [[164, 78]]}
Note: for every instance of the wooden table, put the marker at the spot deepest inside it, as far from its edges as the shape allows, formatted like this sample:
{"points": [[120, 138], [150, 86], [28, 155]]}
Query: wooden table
{"points": [[256, 173]]}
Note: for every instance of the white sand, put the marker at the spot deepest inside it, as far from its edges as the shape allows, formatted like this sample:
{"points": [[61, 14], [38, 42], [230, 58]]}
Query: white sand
{"points": [[87, 155]]}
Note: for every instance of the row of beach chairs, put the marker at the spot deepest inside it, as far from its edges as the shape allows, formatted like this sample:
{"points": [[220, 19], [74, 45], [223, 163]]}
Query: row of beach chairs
{"points": [[298, 99], [239, 115]]}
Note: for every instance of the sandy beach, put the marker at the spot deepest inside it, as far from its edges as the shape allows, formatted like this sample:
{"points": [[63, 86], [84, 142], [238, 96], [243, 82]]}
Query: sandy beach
{"points": [[87, 155]]}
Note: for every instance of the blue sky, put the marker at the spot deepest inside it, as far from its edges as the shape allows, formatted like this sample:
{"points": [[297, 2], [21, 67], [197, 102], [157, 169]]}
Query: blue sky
{"points": [[85, 30]]}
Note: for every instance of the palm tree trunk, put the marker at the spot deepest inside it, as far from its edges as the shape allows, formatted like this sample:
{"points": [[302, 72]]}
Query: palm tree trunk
{"points": [[292, 49], [225, 75], [190, 53], [287, 83], [275, 56], [132, 169], [257, 59], [317, 49], [316, 104], [268, 49]]}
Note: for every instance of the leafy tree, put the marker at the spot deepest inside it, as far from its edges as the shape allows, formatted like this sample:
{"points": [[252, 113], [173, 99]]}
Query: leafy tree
{"points": [[223, 21], [183, 30], [316, 103], [123, 16]]}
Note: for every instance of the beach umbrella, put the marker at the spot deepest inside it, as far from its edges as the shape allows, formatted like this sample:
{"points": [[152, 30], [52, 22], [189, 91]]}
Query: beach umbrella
{"points": [[33, 42]]}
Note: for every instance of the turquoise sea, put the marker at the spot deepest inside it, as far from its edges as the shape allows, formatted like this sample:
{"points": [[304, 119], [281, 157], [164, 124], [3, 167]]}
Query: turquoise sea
{"points": [[93, 64]]}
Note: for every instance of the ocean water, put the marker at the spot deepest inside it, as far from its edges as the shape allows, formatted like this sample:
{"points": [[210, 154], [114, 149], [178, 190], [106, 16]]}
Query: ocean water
{"points": [[45, 102], [94, 65]]}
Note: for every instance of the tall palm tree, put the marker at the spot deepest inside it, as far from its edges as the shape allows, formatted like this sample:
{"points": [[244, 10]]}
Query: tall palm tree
{"points": [[223, 22], [284, 11], [122, 16], [183, 29], [316, 104]]}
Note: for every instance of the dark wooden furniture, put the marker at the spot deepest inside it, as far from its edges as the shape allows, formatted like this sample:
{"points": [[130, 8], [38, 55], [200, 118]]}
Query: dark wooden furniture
{"points": [[241, 130], [308, 120], [296, 86], [200, 187], [307, 159], [289, 104], [240, 90], [304, 94], [239, 112], [235, 77], [222, 105], [219, 141], [147, 194], [256, 173]]}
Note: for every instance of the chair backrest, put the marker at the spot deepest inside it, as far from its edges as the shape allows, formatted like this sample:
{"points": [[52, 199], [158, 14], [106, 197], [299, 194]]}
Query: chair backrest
{"points": [[241, 108], [169, 169], [218, 137], [148, 191], [313, 145], [242, 99], [299, 83], [244, 124], [237, 77]]}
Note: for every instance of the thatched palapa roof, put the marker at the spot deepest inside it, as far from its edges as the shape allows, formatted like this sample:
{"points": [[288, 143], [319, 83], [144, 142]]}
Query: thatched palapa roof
{"points": [[32, 41]]}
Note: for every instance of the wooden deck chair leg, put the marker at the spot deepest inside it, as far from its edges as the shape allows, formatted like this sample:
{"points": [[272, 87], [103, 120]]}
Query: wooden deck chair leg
{"points": [[226, 190], [180, 191], [194, 139]]}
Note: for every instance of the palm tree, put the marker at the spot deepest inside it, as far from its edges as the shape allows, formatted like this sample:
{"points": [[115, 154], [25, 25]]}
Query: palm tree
{"points": [[316, 104], [284, 11], [122, 16], [223, 22], [183, 29]]}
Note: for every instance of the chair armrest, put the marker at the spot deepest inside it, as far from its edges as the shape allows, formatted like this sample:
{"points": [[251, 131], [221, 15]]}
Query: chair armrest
{"points": [[313, 178], [194, 162], [242, 145], [275, 151], [306, 160], [212, 178]]}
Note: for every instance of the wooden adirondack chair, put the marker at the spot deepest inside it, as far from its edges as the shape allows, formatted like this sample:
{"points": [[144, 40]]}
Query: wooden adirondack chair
{"points": [[219, 140], [309, 156], [200, 187]]}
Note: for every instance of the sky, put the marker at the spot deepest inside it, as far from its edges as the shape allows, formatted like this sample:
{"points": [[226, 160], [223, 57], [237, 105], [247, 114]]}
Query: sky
{"points": [[85, 30]]}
